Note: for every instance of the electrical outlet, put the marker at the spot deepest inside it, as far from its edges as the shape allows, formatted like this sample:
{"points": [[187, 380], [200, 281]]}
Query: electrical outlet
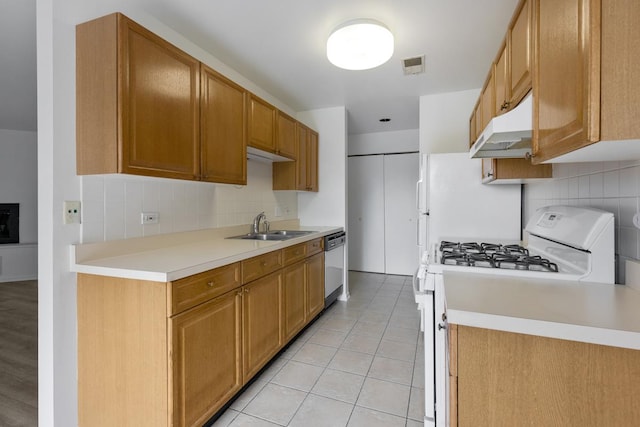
{"points": [[278, 211], [71, 212], [149, 217]]}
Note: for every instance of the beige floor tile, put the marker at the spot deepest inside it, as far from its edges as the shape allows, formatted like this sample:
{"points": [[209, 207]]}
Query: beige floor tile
{"points": [[273, 369], [300, 376], [416, 404], [339, 324], [314, 354], [244, 420], [351, 361], [418, 374], [319, 411], [369, 328], [397, 371], [361, 343], [226, 418], [374, 317], [385, 396], [243, 400], [328, 337], [412, 423], [397, 350], [407, 322], [409, 336], [276, 404], [364, 417], [339, 385]]}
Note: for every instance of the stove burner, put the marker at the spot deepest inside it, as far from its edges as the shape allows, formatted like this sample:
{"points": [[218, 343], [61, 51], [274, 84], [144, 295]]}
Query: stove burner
{"points": [[492, 255]]}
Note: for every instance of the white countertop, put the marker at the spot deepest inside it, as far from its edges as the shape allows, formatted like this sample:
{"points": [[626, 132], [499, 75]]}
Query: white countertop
{"points": [[167, 257], [587, 312]]}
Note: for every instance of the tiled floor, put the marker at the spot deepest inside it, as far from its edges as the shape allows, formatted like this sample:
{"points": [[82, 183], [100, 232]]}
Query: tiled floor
{"points": [[360, 365]]}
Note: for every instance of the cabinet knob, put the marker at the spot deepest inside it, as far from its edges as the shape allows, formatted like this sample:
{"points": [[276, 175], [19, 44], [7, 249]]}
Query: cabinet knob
{"points": [[489, 174], [246, 291], [210, 284], [441, 326], [263, 263], [505, 105]]}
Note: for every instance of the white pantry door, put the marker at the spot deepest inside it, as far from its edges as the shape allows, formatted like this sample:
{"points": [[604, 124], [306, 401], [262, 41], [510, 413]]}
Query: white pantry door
{"points": [[366, 213], [401, 214]]}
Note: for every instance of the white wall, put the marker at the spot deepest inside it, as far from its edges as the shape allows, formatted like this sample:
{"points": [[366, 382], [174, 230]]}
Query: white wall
{"points": [[57, 181], [403, 141], [329, 205], [444, 121], [19, 184], [611, 186]]}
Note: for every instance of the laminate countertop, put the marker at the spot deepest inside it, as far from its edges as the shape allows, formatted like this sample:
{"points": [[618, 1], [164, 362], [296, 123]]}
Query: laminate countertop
{"points": [[168, 257], [588, 312]]}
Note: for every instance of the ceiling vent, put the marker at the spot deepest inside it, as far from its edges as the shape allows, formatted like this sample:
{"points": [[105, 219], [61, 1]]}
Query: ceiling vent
{"points": [[413, 65]]}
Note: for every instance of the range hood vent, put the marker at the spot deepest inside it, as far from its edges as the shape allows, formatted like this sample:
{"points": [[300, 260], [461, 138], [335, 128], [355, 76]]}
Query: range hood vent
{"points": [[508, 135]]}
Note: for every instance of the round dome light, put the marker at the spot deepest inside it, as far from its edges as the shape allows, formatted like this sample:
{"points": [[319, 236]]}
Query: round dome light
{"points": [[360, 45]]}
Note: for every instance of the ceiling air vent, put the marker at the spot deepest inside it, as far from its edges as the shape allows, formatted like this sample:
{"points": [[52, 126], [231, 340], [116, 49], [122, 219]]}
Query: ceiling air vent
{"points": [[413, 65]]}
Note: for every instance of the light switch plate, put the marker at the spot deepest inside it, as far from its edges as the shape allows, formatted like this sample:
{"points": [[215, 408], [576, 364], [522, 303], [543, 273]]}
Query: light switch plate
{"points": [[71, 213]]}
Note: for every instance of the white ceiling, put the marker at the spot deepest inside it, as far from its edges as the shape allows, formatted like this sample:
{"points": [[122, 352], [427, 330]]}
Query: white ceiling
{"points": [[280, 46]]}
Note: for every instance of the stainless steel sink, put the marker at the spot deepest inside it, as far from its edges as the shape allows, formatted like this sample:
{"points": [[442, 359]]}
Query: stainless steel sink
{"points": [[272, 235]]}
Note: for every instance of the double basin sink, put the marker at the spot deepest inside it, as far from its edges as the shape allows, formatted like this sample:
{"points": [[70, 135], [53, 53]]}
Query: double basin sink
{"points": [[273, 235]]}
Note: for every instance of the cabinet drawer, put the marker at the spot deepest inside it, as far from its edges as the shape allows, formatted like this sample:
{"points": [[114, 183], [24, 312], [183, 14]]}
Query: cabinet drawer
{"points": [[314, 247], [294, 253], [262, 265], [196, 289]]}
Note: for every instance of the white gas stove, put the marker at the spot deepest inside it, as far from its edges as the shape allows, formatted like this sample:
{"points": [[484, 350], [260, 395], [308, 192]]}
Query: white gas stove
{"points": [[561, 242]]}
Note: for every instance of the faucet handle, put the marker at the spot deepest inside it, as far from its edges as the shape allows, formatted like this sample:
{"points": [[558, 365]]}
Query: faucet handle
{"points": [[266, 226]]}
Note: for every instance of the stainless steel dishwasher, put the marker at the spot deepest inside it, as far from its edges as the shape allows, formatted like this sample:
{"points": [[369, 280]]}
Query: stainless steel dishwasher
{"points": [[333, 266]]}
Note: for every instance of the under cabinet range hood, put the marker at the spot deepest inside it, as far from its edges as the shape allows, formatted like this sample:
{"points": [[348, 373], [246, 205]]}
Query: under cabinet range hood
{"points": [[507, 135]]}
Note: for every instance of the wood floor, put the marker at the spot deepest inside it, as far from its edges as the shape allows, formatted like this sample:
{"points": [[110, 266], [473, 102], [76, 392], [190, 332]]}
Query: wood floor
{"points": [[19, 354]]}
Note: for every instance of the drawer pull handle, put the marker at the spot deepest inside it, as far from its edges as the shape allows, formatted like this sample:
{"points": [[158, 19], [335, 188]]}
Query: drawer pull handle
{"points": [[263, 263], [246, 291], [210, 284]]}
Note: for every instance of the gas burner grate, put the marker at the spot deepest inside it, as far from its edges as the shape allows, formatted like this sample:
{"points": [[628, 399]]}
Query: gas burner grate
{"points": [[493, 255]]}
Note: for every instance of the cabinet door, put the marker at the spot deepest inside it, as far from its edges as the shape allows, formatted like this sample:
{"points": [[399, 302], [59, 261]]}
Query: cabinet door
{"points": [[487, 100], [501, 82], [312, 162], [567, 77], [159, 107], [262, 322], [520, 49], [488, 173], [294, 299], [286, 137], [224, 129], [315, 285], [301, 164], [206, 347], [262, 124]]}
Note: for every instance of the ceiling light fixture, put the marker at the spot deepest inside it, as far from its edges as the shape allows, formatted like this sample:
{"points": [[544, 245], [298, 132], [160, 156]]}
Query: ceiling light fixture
{"points": [[360, 44]]}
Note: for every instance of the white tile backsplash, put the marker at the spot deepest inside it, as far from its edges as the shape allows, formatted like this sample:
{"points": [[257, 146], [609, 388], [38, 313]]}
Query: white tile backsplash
{"points": [[112, 204], [611, 186]]}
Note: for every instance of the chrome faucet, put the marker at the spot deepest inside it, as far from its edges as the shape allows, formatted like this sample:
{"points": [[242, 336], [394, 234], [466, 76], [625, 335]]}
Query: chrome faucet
{"points": [[255, 228]]}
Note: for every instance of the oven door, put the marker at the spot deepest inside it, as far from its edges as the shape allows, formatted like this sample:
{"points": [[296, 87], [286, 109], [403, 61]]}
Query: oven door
{"points": [[424, 296]]}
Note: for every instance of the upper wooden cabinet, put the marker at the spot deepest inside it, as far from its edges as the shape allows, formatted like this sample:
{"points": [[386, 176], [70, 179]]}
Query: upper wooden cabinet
{"points": [[137, 102], [513, 171], [520, 41], [262, 124], [224, 129], [286, 142], [566, 92], [487, 100], [301, 175], [501, 83]]}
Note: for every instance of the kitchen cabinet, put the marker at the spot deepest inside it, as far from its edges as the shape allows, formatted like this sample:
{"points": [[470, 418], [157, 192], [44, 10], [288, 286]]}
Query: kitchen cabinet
{"points": [[155, 353], [452, 336], [137, 102], [507, 378], [513, 171], [261, 322], [487, 101], [286, 136], [294, 298], [207, 355], [501, 84], [475, 122], [262, 124], [585, 75], [301, 175], [520, 40], [224, 129]]}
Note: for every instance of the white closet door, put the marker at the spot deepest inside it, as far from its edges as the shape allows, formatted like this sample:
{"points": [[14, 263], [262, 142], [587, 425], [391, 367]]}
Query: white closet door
{"points": [[366, 213], [401, 216]]}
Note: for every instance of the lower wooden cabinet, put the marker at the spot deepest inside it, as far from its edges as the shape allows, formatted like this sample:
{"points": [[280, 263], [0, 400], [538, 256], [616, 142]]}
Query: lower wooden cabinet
{"points": [[207, 355], [509, 379], [261, 322], [172, 354]]}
